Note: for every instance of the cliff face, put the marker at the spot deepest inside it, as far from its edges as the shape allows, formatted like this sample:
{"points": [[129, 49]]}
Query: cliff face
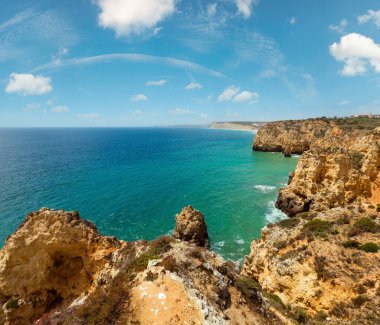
{"points": [[53, 257], [57, 269], [318, 260]]}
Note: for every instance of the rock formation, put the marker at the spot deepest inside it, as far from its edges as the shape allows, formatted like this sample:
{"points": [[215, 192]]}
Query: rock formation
{"points": [[53, 257], [324, 261], [191, 227], [57, 269]]}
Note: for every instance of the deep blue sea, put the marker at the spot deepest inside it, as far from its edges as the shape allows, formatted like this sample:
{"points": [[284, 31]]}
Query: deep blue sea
{"points": [[132, 181]]}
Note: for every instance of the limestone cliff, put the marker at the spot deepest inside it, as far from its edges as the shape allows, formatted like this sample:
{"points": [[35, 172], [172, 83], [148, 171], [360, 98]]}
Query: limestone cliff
{"points": [[325, 259], [57, 269]]}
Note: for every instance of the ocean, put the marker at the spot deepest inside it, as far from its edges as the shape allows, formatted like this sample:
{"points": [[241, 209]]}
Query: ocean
{"points": [[131, 182]]}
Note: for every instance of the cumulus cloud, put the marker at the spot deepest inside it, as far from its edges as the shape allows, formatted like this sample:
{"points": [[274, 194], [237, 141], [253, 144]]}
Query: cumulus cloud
{"points": [[89, 116], [161, 82], [245, 96], [233, 94], [60, 109], [358, 53], [228, 94], [292, 21], [139, 98], [245, 7], [193, 85], [129, 17], [371, 16], [28, 84], [340, 27]]}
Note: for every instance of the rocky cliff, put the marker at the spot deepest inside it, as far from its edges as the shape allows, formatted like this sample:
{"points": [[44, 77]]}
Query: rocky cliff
{"points": [[57, 269], [325, 259]]}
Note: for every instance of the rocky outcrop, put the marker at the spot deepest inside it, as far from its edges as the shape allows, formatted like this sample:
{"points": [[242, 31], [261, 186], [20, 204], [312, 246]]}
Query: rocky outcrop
{"points": [[290, 137], [191, 226], [53, 257], [57, 269], [324, 261]]}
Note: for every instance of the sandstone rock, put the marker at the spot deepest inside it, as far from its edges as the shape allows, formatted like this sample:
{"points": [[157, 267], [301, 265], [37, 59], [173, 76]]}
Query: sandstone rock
{"points": [[54, 256], [191, 227]]}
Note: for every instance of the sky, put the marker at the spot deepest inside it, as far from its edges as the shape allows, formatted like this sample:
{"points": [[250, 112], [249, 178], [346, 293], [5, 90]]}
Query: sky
{"points": [[172, 62]]}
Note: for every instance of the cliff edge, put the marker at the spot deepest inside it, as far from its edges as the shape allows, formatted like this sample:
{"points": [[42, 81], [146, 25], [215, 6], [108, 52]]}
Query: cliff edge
{"points": [[324, 260]]}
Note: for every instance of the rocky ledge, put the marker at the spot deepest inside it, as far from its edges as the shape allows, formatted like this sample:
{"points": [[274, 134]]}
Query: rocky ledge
{"points": [[324, 261]]}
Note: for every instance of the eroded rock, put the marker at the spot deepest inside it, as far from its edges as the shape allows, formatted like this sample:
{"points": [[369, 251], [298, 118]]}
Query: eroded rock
{"points": [[191, 227]]}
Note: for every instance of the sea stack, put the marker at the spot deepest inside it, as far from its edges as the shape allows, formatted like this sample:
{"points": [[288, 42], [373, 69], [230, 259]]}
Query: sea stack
{"points": [[191, 227]]}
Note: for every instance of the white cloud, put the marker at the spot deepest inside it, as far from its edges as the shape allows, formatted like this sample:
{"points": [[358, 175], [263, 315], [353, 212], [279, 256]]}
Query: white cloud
{"points": [[181, 111], [28, 84], [132, 57], [60, 109], [344, 103], [211, 9], [246, 96], [371, 15], [358, 53], [128, 17], [185, 111], [228, 94], [293, 21], [193, 85], [161, 82], [233, 94], [32, 107], [139, 98], [89, 116], [340, 27], [245, 7]]}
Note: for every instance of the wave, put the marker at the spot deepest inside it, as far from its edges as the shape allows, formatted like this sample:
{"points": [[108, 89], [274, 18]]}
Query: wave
{"points": [[239, 241], [274, 214], [219, 244], [265, 188]]}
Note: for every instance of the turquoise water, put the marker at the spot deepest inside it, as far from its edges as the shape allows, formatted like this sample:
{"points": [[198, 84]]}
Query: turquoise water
{"points": [[132, 181]]}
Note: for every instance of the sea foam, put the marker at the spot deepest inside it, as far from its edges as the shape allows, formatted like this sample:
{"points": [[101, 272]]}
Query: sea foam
{"points": [[274, 214], [265, 188]]}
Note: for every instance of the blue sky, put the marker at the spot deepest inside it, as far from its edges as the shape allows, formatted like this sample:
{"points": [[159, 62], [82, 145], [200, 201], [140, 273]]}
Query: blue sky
{"points": [[164, 62]]}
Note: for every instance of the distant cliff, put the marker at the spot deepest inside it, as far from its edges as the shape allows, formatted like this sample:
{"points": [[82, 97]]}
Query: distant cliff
{"points": [[237, 125]]}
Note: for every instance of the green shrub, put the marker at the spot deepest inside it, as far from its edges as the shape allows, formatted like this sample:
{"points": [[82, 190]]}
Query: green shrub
{"points": [[150, 276], [351, 244], [288, 223], [275, 300], [357, 159], [366, 224], [339, 310], [300, 315], [303, 215], [378, 207], [249, 287], [370, 247], [11, 303], [161, 244], [318, 226], [320, 268], [359, 300], [371, 207]]}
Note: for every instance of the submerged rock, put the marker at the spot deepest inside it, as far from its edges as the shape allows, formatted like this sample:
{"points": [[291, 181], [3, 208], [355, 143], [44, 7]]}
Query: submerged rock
{"points": [[191, 227]]}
